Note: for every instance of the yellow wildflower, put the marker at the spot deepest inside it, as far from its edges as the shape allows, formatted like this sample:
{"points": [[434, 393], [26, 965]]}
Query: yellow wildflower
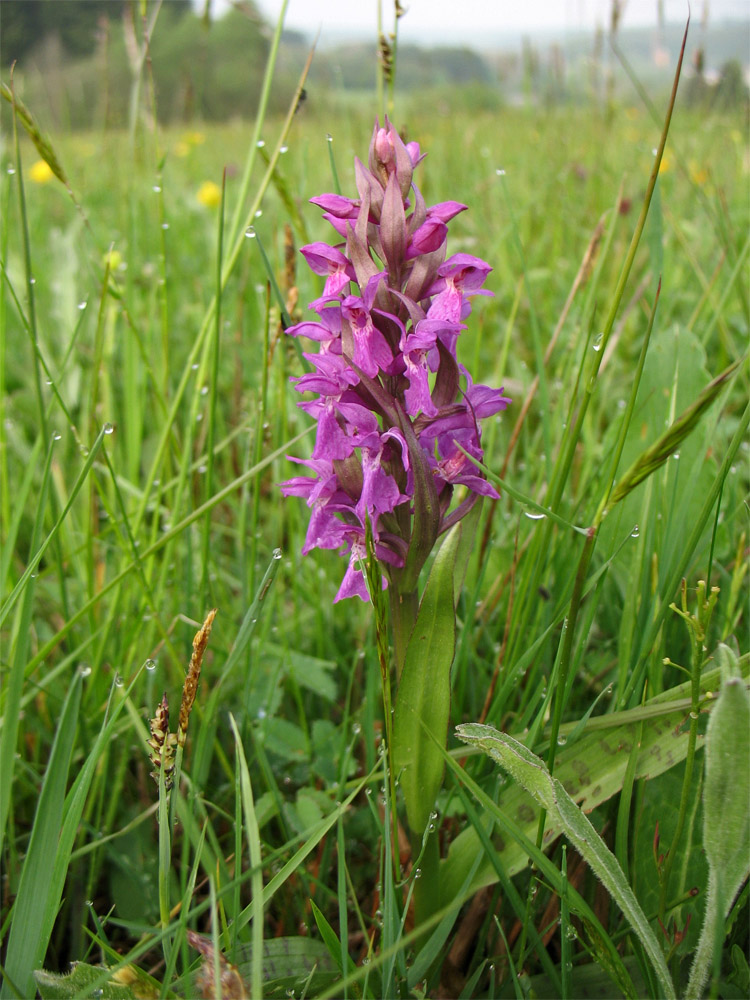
{"points": [[666, 163], [209, 194], [698, 174], [41, 172], [194, 138], [113, 258]]}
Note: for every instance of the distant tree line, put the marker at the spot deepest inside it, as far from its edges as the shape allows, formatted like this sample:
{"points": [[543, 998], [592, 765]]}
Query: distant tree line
{"points": [[24, 24]]}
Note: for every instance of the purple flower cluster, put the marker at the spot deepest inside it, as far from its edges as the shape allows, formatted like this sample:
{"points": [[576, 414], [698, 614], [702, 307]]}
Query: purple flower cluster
{"points": [[394, 409]]}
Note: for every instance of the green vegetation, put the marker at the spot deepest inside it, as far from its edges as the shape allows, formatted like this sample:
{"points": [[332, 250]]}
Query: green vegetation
{"points": [[146, 413]]}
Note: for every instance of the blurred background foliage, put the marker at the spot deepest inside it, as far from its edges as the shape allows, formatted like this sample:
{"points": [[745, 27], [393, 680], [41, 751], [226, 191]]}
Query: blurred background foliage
{"points": [[75, 61]]}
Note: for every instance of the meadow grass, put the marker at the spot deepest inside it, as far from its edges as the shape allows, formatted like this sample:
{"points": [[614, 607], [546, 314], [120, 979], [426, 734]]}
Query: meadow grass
{"points": [[146, 416]]}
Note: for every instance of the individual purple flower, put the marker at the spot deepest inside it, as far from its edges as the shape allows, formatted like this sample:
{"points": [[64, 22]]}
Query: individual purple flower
{"points": [[398, 418]]}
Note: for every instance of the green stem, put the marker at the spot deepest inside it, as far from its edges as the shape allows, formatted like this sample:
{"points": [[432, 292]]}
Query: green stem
{"points": [[698, 627], [426, 877]]}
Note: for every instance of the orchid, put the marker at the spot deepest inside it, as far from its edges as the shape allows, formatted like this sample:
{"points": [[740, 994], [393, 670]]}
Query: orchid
{"points": [[397, 415]]}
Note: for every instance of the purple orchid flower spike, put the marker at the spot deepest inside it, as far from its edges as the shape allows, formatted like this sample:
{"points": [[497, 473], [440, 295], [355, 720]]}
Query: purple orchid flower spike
{"points": [[397, 414]]}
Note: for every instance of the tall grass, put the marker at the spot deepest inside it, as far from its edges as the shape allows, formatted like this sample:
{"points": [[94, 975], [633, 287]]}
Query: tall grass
{"points": [[146, 416]]}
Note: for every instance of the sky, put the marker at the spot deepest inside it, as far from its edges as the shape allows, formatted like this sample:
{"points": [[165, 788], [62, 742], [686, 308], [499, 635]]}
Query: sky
{"points": [[482, 21]]}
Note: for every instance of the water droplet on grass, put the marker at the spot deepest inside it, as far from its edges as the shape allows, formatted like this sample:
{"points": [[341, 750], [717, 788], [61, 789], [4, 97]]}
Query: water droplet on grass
{"points": [[165, 225], [250, 232], [258, 213], [108, 428], [500, 172], [534, 515], [277, 553], [84, 669], [156, 188], [635, 533], [118, 681], [597, 345], [329, 138], [562, 740], [82, 304], [283, 149], [150, 665], [260, 143]]}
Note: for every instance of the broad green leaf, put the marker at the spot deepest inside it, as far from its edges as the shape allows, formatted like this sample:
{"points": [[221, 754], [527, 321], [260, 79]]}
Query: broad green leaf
{"points": [[591, 771], [36, 903], [423, 699], [531, 772], [86, 980], [726, 811]]}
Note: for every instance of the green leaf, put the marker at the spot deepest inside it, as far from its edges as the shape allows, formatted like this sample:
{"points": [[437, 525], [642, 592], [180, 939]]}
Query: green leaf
{"points": [[726, 816], [592, 771], [35, 903], [670, 441], [531, 772], [423, 699], [84, 981]]}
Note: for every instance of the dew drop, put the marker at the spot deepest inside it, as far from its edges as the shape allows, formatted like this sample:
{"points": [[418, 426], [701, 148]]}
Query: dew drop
{"points": [[165, 225], [202, 470], [199, 417], [56, 435], [562, 740], [260, 143], [534, 515], [89, 902], [194, 366], [250, 232], [156, 188], [11, 170], [32, 281], [84, 669], [118, 681], [258, 214], [329, 138], [204, 390], [277, 553], [283, 149], [500, 172], [676, 456], [82, 304], [150, 665], [356, 728], [261, 713], [417, 873], [597, 345], [108, 428], [635, 533]]}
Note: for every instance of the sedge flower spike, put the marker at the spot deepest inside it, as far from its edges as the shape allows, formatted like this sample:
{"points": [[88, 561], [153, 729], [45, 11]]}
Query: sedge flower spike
{"points": [[396, 413]]}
